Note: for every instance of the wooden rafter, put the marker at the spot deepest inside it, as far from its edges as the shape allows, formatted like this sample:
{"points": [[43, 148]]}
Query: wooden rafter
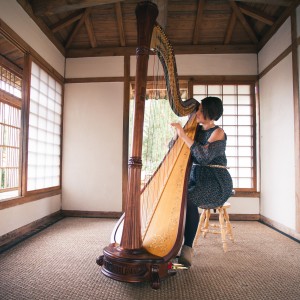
{"points": [[118, 10], [90, 31], [255, 14], [66, 22], [243, 21], [200, 9], [278, 23], [230, 27], [78, 26], [50, 7]]}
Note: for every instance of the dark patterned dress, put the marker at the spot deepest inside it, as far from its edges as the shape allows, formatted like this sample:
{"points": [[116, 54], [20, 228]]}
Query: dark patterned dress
{"points": [[209, 186]]}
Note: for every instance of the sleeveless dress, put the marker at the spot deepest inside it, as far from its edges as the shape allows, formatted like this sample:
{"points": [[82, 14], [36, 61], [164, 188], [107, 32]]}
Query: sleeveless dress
{"points": [[209, 186]]}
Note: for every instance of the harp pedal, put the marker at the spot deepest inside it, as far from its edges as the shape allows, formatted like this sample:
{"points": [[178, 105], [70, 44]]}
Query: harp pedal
{"points": [[176, 266]]}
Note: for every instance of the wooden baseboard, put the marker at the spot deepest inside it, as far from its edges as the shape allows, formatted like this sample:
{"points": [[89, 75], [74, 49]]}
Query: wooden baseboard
{"points": [[12, 238], [91, 214], [281, 228]]}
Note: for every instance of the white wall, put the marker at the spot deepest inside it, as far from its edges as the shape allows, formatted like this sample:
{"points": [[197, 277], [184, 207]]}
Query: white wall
{"points": [[18, 20], [20, 215], [207, 64], [92, 147], [277, 132]]}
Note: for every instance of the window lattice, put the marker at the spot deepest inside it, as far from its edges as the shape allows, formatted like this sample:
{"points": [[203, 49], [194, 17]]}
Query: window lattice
{"points": [[10, 119], [238, 123], [44, 131]]}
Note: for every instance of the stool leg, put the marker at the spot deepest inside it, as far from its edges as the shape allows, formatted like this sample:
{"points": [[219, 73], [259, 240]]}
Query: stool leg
{"points": [[206, 223], [223, 229], [199, 229], [228, 225]]}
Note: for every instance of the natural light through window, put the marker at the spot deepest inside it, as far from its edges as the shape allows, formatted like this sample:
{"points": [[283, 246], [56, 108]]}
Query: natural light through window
{"points": [[10, 119], [44, 131]]}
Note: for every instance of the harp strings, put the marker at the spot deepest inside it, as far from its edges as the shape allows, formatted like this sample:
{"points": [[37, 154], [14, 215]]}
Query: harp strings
{"points": [[158, 157]]}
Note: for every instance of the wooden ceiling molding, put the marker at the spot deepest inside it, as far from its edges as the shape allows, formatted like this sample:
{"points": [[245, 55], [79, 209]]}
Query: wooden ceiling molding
{"points": [[81, 28]]}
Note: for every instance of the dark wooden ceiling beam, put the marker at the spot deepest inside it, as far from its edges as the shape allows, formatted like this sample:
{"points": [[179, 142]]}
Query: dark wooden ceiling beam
{"points": [[118, 10], [270, 2], [78, 26], [244, 22], [230, 27], [66, 22], [258, 15], [179, 49], [51, 7], [90, 31], [162, 18], [200, 9]]}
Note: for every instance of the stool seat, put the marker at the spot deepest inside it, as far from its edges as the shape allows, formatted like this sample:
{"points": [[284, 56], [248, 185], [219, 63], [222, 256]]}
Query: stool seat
{"points": [[224, 226]]}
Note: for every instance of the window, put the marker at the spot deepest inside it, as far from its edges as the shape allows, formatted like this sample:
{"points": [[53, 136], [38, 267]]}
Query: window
{"points": [[10, 118], [44, 131], [157, 118], [10, 83], [238, 122]]}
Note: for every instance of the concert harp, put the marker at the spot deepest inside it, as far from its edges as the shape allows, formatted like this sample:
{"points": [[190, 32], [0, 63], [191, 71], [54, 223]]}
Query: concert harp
{"points": [[143, 244]]}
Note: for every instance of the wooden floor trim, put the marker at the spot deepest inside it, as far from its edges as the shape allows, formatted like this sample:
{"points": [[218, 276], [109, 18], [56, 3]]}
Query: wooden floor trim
{"points": [[281, 228], [16, 236]]}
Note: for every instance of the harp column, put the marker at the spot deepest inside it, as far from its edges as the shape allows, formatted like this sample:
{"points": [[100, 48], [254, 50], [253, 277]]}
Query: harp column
{"points": [[146, 14]]}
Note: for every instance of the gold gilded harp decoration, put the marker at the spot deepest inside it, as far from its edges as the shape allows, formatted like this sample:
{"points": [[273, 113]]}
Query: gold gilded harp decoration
{"points": [[143, 244]]}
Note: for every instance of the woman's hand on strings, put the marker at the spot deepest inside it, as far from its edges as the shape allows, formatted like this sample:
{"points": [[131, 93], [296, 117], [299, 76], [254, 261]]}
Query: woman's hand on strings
{"points": [[179, 129], [188, 141]]}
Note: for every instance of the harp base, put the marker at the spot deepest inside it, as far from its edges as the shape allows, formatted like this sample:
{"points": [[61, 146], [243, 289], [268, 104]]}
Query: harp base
{"points": [[135, 265]]}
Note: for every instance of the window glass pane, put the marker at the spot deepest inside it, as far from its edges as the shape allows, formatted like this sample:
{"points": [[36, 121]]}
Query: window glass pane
{"points": [[245, 151], [244, 89], [245, 110], [244, 100], [231, 151], [229, 100], [232, 140], [200, 89], [214, 90], [230, 130], [229, 89], [245, 161], [230, 109], [245, 141], [244, 120], [245, 130], [245, 183], [230, 120]]}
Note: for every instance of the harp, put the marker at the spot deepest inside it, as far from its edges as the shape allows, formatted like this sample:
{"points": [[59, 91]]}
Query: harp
{"points": [[142, 247]]}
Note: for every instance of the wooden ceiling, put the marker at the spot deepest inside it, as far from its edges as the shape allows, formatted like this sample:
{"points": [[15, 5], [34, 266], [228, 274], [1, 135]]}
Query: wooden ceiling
{"points": [[81, 28]]}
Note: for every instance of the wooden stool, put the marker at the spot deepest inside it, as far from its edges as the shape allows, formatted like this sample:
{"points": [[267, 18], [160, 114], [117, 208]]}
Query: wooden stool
{"points": [[224, 225]]}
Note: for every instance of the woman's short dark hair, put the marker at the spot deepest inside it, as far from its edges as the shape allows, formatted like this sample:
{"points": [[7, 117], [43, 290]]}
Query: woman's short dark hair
{"points": [[212, 108]]}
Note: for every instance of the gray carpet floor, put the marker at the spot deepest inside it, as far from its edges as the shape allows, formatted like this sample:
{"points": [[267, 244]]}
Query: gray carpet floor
{"points": [[59, 263]]}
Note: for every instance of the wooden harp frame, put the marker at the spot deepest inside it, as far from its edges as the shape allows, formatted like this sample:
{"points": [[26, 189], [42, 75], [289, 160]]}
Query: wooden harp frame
{"points": [[129, 261]]}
